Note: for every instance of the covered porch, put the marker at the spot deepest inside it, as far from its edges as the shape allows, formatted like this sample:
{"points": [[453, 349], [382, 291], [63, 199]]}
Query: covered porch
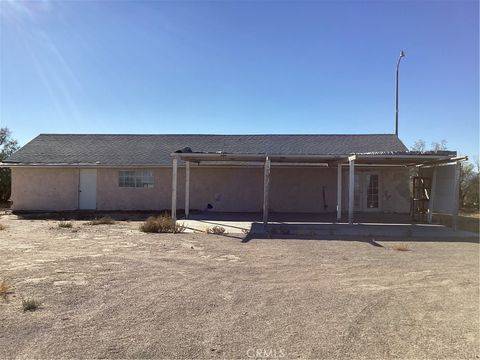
{"points": [[349, 165]]}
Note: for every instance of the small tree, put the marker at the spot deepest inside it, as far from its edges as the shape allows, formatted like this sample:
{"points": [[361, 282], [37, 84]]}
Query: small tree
{"points": [[439, 146], [469, 185], [7, 147], [418, 145]]}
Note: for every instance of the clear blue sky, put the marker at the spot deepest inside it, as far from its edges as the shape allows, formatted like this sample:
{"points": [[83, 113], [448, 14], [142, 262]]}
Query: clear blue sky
{"points": [[241, 67]]}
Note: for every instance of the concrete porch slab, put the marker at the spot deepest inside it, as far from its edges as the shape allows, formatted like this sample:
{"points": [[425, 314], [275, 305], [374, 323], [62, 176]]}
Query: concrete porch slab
{"points": [[302, 225]]}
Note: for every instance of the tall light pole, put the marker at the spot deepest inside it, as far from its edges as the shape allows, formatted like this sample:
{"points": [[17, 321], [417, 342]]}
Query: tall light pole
{"points": [[402, 54]]}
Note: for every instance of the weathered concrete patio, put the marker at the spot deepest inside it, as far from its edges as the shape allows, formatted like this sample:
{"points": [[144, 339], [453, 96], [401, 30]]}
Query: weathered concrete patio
{"points": [[386, 226]]}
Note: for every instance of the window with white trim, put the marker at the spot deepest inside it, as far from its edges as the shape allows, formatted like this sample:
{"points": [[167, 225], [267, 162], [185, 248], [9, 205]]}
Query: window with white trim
{"points": [[135, 178]]}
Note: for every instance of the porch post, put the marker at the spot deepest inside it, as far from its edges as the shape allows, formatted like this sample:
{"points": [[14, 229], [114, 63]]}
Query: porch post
{"points": [[351, 186], [187, 188], [266, 188], [432, 195], [174, 189], [456, 194], [339, 192]]}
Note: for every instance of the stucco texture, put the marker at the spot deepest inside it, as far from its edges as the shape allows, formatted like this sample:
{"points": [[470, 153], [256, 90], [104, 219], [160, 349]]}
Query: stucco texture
{"points": [[45, 189], [232, 189]]}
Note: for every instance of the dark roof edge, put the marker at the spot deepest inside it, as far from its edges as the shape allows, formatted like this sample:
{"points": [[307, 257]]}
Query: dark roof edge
{"points": [[284, 134]]}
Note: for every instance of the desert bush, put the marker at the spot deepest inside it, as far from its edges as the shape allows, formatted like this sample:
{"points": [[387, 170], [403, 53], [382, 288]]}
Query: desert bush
{"points": [[2, 227], [105, 220], [30, 304], [5, 289], [401, 247], [161, 224], [65, 224], [150, 225], [217, 230]]}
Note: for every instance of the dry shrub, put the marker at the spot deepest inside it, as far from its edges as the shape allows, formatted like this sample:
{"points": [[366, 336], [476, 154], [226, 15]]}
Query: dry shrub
{"points": [[2, 227], [5, 289], [401, 247], [105, 220], [217, 230], [30, 304], [151, 225], [161, 224], [65, 224]]}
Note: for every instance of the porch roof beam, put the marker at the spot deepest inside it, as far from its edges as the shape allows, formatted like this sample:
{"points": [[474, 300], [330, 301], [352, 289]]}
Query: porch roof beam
{"points": [[361, 159], [443, 162]]}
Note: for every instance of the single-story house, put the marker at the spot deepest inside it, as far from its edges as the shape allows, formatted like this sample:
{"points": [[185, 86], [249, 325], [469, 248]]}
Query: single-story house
{"points": [[231, 173]]}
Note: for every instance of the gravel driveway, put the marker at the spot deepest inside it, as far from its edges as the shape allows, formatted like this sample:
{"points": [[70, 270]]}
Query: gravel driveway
{"points": [[111, 291]]}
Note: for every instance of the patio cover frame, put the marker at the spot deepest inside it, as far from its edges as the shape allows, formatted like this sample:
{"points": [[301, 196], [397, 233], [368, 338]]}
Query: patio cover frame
{"points": [[338, 161]]}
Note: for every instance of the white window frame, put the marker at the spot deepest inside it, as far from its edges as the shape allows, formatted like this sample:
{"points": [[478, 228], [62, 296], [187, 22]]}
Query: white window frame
{"points": [[136, 179], [366, 188], [361, 194]]}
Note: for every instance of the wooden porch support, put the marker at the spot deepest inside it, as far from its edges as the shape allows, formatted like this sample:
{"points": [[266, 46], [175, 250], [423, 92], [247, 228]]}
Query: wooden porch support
{"points": [[431, 200], [174, 189], [339, 192], [456, 195], [187, 188], [351, 187], [266, 188]]}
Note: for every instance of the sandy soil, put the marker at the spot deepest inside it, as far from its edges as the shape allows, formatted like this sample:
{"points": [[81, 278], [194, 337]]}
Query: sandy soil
{"points": [[110, 291]]}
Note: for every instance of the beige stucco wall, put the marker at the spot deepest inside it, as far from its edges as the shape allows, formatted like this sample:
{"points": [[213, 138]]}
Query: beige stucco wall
{"points": [[395, 190], [301, 189], [226, 189], [44, 189], [112, 197]]}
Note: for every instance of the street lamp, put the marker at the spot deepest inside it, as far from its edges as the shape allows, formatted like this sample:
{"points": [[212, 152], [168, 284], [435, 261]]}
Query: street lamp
{"points": [[402, 54]]}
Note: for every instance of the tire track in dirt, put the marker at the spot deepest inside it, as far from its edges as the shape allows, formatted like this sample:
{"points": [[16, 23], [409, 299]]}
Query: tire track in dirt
{"points": [[368, 315]]}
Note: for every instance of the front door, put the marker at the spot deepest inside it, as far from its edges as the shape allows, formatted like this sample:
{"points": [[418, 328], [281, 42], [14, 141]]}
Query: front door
{"points": [[88, 189]]}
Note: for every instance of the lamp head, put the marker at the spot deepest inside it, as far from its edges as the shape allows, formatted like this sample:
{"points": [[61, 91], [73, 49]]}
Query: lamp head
{"points": [[402, 54]]}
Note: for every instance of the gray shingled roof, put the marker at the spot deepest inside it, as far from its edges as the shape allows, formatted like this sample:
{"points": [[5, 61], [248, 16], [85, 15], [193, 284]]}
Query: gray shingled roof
{"points": [[156, 149]]}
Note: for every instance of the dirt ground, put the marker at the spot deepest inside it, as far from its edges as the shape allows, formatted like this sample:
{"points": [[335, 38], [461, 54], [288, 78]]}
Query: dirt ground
{"points": [[111, 291]]}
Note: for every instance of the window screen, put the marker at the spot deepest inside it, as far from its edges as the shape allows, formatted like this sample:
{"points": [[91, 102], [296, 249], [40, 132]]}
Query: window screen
{"points": [[135, 178]]}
